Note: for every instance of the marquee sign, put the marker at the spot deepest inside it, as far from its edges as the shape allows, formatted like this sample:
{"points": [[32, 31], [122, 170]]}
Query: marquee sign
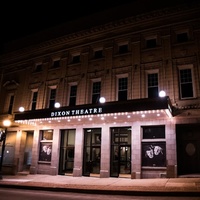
{"points": [[95, 109]]}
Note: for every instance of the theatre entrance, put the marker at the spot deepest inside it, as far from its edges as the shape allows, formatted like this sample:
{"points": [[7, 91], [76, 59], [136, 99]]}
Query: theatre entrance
{"points": [[92, 152], [120, 152], [67, 147]]}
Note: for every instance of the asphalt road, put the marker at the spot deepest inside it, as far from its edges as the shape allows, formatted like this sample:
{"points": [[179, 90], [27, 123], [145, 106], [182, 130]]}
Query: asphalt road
{"points": [[19, 194]]}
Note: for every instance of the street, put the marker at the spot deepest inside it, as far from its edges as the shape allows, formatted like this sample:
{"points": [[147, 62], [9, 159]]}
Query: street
{"points": [[19, 194]]}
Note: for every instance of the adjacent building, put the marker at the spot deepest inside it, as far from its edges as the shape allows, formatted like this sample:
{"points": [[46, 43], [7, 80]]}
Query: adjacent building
{"points": [[143, 63]]}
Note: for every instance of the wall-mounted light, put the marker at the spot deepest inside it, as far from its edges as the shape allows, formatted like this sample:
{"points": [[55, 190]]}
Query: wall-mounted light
{"points": [[57, 105], [21, 109], [102, 100], [162, 93], [6, 122]]}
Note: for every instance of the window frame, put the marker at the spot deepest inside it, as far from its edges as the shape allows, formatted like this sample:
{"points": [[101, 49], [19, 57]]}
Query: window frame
{"points": [[51, 101], [95, 94], [150, 158], [185, 67], [72, 97], [149, 72], [43, 157], [33, 105], [122, 91]]}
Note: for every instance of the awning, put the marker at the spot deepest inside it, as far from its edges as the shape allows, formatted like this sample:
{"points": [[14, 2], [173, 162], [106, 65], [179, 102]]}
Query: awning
{"points": [[133, 107]]}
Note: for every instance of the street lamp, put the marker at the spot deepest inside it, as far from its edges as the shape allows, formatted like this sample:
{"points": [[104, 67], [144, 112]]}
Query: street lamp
{"points": [[6, 123]]}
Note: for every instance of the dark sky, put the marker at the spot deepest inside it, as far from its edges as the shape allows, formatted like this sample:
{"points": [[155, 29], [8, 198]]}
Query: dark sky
{"points": [[23, 18]]}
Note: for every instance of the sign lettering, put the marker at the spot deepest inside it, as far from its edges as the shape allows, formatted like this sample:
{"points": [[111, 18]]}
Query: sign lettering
{"points": [[88, 111]]}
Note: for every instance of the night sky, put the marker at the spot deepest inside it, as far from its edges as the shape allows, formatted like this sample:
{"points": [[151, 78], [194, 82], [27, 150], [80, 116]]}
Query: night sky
{"points": [[20, 19]]}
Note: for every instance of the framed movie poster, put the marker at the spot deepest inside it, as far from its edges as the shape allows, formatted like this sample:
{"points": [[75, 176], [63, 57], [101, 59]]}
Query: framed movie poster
{"points": [[45, 151], [154, 154]]}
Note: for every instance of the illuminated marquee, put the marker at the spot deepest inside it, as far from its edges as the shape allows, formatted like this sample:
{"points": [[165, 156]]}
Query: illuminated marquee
{"points": [[88, 111]]}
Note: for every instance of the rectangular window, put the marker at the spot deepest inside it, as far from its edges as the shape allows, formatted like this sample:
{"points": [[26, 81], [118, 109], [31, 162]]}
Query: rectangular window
{"points": [[153, 146], [186, 83], [10, 108], [98, 54], [34, 100], [52, 98], [38, 68], [152, 85], [56, 64], [72, 98], [182, 37], [96, 92], [151, 43], [153, 132], [123, 48], [76, 59], [45, 145], [122, 89]]}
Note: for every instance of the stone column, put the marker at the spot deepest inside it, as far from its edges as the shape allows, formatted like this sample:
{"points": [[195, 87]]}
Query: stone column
{"points": [[105, 152], [78, 157]]}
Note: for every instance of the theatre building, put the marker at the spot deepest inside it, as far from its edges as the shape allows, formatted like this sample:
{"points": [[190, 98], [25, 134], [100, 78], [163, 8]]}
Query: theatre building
{"points": [[118, 97]]}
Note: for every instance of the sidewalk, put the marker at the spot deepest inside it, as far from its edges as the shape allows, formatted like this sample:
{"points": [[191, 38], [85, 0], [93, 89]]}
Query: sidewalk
{"points": [[161, 186]]}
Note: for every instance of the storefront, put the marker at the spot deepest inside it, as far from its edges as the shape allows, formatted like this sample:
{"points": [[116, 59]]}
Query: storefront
{"points": [[114, 139]]}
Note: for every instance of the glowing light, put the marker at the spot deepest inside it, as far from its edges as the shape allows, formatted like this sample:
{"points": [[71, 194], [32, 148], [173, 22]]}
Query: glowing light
{"points": [[162, 93], [7, 122], [21, 109], [57, 105], [102, 100]]}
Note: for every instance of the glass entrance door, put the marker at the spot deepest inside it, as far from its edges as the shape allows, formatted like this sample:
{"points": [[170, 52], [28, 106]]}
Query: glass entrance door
{"points": [[66, 161], [92, 152], [120, 163]]}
